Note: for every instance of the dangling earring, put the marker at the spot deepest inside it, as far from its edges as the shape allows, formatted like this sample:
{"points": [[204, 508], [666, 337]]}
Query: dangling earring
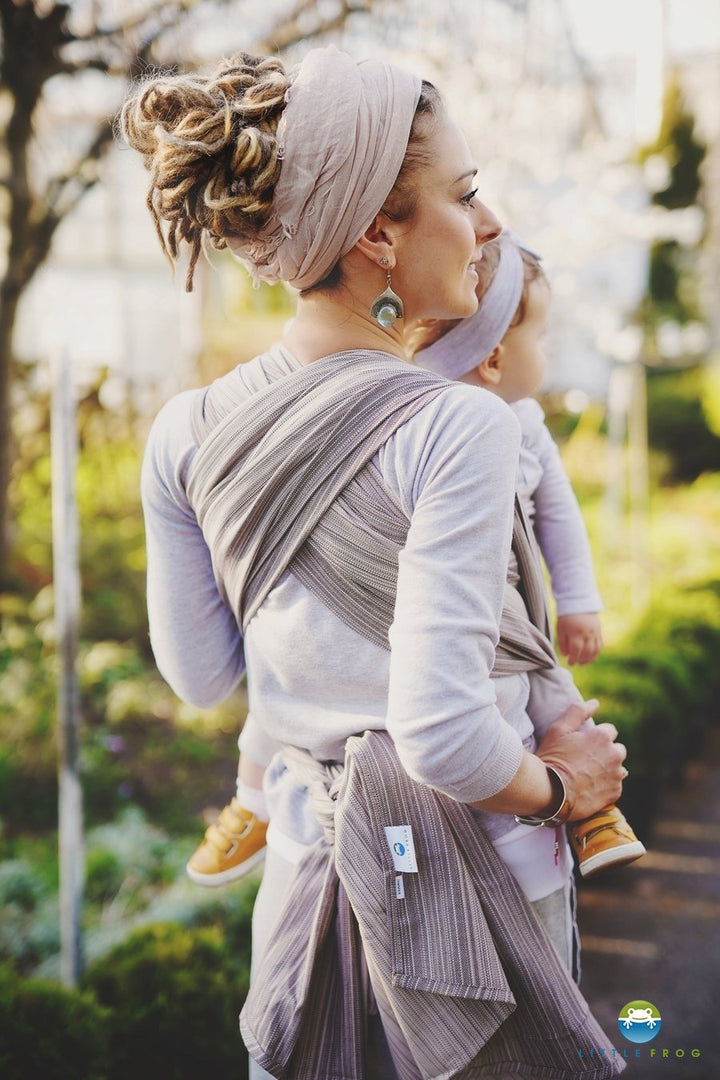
{"points": [[387, 307]]}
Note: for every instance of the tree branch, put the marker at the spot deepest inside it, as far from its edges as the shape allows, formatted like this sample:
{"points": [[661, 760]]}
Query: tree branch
{"points": [[79, 177], [168, 14], [290, 31]]}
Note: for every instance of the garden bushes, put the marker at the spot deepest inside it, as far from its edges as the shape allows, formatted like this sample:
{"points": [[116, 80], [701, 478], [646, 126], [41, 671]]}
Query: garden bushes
{"points": [[678, 423], [50, 1033], [173, 997], [164, 1004], [660, 688]]}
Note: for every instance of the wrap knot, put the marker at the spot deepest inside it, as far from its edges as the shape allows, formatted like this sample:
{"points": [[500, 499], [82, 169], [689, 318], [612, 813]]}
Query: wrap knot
{"points": [[322, 780]]}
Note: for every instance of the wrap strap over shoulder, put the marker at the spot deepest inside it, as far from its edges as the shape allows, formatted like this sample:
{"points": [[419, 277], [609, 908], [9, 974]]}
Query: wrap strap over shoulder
{"points": [[271, 469], [285, 481]]}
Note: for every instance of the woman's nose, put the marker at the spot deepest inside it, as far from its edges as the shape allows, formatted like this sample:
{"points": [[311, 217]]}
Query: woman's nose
{"points": [[487, 226]]}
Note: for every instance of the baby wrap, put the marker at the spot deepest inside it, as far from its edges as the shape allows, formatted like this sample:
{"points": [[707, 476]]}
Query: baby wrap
{"points": [[286, 481]]}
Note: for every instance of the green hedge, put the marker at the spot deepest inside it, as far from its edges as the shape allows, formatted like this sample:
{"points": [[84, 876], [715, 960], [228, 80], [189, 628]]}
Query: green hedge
{"points": [[660, 688], [678, 425], [165, 1004], [49, 1032], [172, 996]]}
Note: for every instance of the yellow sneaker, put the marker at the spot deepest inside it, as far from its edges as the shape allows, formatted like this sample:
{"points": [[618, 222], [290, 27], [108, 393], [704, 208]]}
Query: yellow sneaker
{"points": [[233, 845], [603, 841]]}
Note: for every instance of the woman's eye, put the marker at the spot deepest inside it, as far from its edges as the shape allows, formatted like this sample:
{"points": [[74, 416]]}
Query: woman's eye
{"points": [[467, 199]]}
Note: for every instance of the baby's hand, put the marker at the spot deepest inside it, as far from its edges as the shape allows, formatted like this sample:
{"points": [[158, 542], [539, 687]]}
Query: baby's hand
{"points": [[579, 637]]}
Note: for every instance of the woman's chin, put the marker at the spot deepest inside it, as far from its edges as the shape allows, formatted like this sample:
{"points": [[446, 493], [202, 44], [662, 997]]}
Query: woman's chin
{"points": [[464, 304]]}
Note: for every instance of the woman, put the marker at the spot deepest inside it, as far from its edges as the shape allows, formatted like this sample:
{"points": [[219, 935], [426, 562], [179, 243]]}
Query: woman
{"points": [[313, 520]]}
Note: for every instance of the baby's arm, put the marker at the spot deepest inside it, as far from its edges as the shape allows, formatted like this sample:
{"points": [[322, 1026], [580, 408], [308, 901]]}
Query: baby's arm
{"points": [[563, 541]]}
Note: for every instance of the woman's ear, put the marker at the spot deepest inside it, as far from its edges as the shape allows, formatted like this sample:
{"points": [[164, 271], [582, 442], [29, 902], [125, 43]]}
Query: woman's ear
{"points": [[378, 241], [490, 371]]}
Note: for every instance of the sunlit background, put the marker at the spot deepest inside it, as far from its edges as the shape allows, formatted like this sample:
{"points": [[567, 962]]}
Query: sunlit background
{"points": [[596, 131]]}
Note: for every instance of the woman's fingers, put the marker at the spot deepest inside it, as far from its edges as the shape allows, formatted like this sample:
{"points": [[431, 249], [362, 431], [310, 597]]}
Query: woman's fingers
{"points": [[575, 716], [609, 729], [590, 755]]}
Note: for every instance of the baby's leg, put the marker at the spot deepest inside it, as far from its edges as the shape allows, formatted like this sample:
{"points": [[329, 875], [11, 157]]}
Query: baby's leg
{"points": [[250, 775], [235, 842]]}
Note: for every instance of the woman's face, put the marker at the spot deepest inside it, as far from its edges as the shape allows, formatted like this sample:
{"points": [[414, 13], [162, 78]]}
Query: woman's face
{"points": [[434, 272]]}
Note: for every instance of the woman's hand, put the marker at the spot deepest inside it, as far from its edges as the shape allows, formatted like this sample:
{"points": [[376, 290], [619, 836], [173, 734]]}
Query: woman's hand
{"points": [[590, 760]]}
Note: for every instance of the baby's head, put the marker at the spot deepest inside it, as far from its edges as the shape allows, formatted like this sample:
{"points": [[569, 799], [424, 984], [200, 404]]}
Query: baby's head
{"points": [[500, 346]]}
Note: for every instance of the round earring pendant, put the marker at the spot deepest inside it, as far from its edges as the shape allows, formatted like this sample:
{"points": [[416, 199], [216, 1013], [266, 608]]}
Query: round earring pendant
{"points": [[387, 315], [387, 308]]}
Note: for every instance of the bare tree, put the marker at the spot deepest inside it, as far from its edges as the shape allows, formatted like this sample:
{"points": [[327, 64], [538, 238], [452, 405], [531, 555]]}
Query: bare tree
{"points": [[43, 39]]}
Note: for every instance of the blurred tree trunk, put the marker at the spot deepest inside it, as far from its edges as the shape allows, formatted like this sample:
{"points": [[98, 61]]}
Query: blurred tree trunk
{"points": [[39, 40]]}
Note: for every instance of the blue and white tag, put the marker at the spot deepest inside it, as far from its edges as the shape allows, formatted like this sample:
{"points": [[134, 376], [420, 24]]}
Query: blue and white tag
{"points": [[402, 848]]}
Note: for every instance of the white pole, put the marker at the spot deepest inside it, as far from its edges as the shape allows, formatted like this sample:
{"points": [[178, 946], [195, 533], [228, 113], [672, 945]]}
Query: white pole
{"points": [[617, 412], [66, 579], [639, 486]]}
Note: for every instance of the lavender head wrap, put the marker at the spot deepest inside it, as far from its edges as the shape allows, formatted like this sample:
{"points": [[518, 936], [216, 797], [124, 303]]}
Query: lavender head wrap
{"points": [[472, 340], [342, 139]]}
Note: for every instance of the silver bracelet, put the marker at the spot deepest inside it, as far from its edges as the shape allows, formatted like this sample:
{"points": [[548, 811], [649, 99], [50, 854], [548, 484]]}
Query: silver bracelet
{"points": [[564, 810]]}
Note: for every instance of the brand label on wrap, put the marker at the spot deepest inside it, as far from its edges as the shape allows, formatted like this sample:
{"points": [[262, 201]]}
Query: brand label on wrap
{"points": [[402, 848]]}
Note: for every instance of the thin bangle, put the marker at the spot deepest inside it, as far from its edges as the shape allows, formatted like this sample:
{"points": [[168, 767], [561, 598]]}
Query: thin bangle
{"points": [[565, 805]]}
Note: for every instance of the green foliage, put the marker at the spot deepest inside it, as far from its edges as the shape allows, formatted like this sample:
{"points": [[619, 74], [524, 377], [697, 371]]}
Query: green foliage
{"points": [[665, 276], [49, 1032], [672, 286], [103, 875], [29, 919], [107, 488], [677, 423], [20, 884], [130, 853], [659, 687], [174, 996], [128, 715], [682, 150], [28, 787], [27, 938], [672, 272], [711, 395]]}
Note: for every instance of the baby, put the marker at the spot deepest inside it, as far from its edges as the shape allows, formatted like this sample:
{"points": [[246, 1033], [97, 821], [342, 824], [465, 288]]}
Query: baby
{"points": [[500, 348]]}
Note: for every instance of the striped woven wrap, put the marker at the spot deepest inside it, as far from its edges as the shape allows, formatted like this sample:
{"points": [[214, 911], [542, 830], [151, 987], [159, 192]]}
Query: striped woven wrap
{"points": [[465, 979], [286, 480]]}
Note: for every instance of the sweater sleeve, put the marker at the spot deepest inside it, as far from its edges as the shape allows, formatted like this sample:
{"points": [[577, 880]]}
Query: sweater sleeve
{"points": [[195, 638], [559, 526], [442, 712]]}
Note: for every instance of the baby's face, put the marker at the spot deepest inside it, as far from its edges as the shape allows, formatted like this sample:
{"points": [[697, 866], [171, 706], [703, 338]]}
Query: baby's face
{"points": [[524, 363]]}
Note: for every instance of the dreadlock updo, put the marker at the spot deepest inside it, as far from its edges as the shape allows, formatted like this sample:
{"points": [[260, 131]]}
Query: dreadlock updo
{"points": [[210, 145]]}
